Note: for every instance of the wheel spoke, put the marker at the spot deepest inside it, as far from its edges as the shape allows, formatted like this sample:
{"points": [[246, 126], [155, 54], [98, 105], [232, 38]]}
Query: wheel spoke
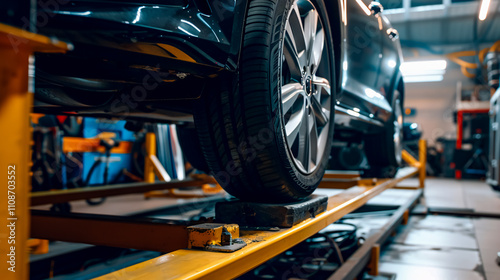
{"points": [[310, 27], [324, 90], [292, 57], [304, 143], [319, 81], [293, 127], [313, 155], [321, 117], [317, 49], [295, 32], [297, 29], [289, 95]]}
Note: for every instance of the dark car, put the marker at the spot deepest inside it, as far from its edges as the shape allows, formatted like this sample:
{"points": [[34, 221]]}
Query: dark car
{"points": [[265, 82]]}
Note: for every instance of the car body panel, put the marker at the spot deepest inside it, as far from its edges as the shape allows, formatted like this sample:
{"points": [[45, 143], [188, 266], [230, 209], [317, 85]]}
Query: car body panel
{"points": [[370, 64], [122, 41], [174, 28]]}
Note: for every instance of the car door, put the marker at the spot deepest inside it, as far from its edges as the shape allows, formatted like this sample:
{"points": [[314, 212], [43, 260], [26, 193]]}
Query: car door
{"points": [[363, 56]]}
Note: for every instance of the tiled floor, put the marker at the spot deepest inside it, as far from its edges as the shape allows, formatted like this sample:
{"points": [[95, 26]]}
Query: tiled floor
{"points": [[446, 247]]}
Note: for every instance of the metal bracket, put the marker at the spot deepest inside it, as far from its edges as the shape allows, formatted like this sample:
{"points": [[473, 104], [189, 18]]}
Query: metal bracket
{"points": [[215, 237]]}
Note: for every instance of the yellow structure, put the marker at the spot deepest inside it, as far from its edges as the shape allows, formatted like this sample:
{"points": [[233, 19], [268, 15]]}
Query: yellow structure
{"points": [[261, 245], [16, 46]]}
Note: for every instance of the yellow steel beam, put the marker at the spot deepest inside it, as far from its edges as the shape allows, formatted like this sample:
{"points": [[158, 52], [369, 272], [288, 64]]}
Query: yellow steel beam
{"points": [[38, 246], [374, 260], [410, 159], [16, 46], [158, 169], [262, 245], [19, 40], [114, 231], [422, 157], [330, 174], [149, 174], [82, 145], [59, 196]]}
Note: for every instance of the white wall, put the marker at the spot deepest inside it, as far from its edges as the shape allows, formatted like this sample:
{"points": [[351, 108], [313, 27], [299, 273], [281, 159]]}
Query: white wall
{"points": [[435, 102]]}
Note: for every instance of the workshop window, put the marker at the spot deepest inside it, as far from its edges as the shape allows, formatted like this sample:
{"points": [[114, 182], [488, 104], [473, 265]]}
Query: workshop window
{"points": [[418, 3], [392, 4], [463, 1]]}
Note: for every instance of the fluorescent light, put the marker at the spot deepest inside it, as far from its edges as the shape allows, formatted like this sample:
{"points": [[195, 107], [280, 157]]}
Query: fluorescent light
{"points": [[418, 72], [423, 78], [483, 12], [423, 66]]}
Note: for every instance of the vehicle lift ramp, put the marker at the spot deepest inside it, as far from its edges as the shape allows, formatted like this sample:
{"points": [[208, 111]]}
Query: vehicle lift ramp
{"points": [[15, 102], [263, 245]]}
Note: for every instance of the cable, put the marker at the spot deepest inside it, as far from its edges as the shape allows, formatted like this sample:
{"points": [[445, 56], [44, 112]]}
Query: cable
{"points": [[87, 182], [315, 258], [91, 171]]}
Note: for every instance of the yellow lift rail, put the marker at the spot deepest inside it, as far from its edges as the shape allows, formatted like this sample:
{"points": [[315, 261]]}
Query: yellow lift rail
{"points": [[263, 245], [16, 46]]}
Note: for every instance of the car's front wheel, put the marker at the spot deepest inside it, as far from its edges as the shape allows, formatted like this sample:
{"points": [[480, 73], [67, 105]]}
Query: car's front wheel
{"points": [[268, 136]]}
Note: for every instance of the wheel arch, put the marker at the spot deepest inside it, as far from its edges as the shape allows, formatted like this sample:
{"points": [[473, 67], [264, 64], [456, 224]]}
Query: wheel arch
{"points": [[338, 31], [397, 84], [401, 88]]}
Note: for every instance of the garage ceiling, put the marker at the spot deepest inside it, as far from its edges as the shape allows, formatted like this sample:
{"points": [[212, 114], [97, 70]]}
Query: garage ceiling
{"points": [[443, 25]]}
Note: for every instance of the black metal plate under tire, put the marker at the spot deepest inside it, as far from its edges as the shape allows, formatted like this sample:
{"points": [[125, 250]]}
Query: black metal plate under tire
{"points": [[252, 214]]}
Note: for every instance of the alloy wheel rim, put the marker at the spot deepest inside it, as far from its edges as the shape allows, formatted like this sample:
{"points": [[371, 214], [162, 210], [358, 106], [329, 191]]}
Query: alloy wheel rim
{"points": [[305, 90]]}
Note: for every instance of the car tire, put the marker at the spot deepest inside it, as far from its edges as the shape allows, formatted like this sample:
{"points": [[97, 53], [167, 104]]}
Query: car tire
{"points": [[257, 131], [191, 148], [384, 150]]}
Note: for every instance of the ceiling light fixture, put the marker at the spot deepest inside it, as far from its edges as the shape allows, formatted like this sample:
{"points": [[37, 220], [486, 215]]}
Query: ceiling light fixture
{"points": [[425, 78], [424, 71], [423, 67], [483, 11]]}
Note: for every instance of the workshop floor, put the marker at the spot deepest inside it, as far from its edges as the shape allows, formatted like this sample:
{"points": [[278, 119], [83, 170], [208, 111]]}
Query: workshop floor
{"points": [[446, 247]]}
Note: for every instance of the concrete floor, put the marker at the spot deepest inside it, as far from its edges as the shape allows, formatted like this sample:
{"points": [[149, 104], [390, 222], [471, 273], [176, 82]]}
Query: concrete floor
{"points": [[446, 247]]}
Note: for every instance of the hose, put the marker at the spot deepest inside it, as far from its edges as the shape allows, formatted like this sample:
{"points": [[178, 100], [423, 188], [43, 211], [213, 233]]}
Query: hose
{"points": [[466, 66]]}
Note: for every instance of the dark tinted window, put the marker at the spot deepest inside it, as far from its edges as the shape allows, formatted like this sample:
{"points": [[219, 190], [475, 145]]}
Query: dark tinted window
{"points": [[391, 4], [418, 3]]}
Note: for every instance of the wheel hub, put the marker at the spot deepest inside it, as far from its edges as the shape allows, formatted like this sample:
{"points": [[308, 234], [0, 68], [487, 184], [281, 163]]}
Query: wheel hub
{"points": [[308, 86]]}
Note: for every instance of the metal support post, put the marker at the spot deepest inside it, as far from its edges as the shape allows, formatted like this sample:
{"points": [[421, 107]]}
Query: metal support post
{"points": [[16, 46], [422, 158]]}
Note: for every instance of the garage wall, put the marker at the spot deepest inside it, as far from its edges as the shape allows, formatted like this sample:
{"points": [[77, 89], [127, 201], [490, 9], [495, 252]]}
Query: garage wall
{"points": [[435, 103]]}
